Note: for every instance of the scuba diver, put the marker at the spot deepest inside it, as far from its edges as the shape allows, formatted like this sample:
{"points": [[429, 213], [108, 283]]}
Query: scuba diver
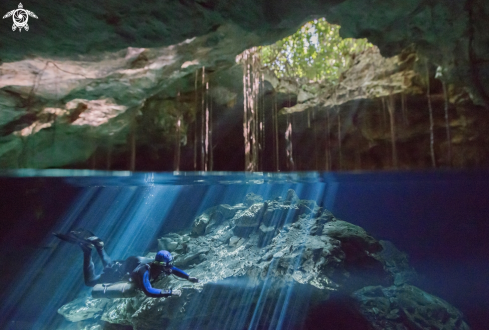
{"points": [[121, 279]]}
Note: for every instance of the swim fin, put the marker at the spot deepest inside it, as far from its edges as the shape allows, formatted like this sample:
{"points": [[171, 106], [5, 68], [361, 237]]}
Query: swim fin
{"points": [[81, 236]]}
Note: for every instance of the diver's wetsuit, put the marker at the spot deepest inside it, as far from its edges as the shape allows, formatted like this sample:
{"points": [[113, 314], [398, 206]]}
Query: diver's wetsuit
{"points": [[135, 269]]}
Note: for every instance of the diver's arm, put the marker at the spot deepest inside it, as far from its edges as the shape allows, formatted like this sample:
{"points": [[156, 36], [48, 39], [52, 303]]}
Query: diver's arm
{"points": [[182, 274], [156, 293], [179, 273]]}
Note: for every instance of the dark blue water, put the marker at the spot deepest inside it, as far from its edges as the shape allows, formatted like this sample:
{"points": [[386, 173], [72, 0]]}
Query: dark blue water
{"points": [[439, 218]]}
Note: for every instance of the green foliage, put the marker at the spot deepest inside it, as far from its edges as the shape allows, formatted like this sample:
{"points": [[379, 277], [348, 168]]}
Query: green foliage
{"points": [[315, 52]]}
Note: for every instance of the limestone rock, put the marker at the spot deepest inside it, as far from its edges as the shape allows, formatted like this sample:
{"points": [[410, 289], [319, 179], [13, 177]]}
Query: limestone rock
{"points": [[167, 244], [78, 105], [236, 241], [252, 199], [251, 216], [351, 235], [83, 308], [396, 262], [200, 224], [291, 197], [407, 307], [214, 216], [191, 258]]}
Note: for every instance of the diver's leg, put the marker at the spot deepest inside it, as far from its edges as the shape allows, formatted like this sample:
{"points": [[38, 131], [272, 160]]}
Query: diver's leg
{"points": [[99, 245], [106, 260], [88, 267]]}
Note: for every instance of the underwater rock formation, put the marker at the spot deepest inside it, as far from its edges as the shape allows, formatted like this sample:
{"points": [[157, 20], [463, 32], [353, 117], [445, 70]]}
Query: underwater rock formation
{"points": [[388, 308], [260, 260]]}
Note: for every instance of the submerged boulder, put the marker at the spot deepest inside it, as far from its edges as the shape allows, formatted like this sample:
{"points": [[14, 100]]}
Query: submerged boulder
{"points": [[214, 216], [407, 307], [83, 309]]}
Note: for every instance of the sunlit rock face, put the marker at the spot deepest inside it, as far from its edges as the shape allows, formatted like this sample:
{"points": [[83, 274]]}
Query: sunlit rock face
{"points": [[377, 101], [372, 76], [59, 112], [296, 264]]}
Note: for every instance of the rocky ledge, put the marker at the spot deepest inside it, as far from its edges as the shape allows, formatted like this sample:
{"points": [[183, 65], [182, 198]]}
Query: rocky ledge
{"points": [[280, 263]]}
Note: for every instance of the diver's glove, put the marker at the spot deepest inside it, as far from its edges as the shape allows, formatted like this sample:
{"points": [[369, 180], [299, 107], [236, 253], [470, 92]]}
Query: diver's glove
{"points": [[193, 279], [176, 292]]}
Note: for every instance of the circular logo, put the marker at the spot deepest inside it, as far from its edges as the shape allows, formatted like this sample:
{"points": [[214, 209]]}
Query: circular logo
{"points": [[20, 17]]}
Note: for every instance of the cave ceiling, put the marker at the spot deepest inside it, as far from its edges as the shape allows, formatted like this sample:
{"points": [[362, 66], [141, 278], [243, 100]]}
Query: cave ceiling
{"points": [[449, 33]]}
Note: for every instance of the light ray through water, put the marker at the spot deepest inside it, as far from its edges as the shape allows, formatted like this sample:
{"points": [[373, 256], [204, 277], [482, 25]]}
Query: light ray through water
{"points": [[129, 218]]}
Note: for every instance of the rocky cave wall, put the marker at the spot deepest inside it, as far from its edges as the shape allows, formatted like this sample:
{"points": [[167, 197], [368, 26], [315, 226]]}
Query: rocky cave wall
{"points": [[109, 91]]}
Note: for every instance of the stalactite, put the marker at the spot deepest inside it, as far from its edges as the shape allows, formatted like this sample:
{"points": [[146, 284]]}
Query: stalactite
{"points": [[328, 143], [391, 108], [176, 160], [132, 146], [447, 124], [263, 109], [263, 119], [288, 143], [404, 109], [383, 114], [93, 141], [54, 115], [315, 130], [293, 123], [202, 126], [259, 125], [340, 152], [211, 147], [206, 161], [195, 121], [254, 76], [358, 160], [275, 126], [432, 136], [246, 97], [109, 154], [93, 159], [464, 129], [251, 117]]}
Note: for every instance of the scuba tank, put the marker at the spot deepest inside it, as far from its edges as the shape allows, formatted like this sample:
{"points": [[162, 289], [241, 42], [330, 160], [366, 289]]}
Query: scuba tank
{"points": [[114, 290], [117, 280]]}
